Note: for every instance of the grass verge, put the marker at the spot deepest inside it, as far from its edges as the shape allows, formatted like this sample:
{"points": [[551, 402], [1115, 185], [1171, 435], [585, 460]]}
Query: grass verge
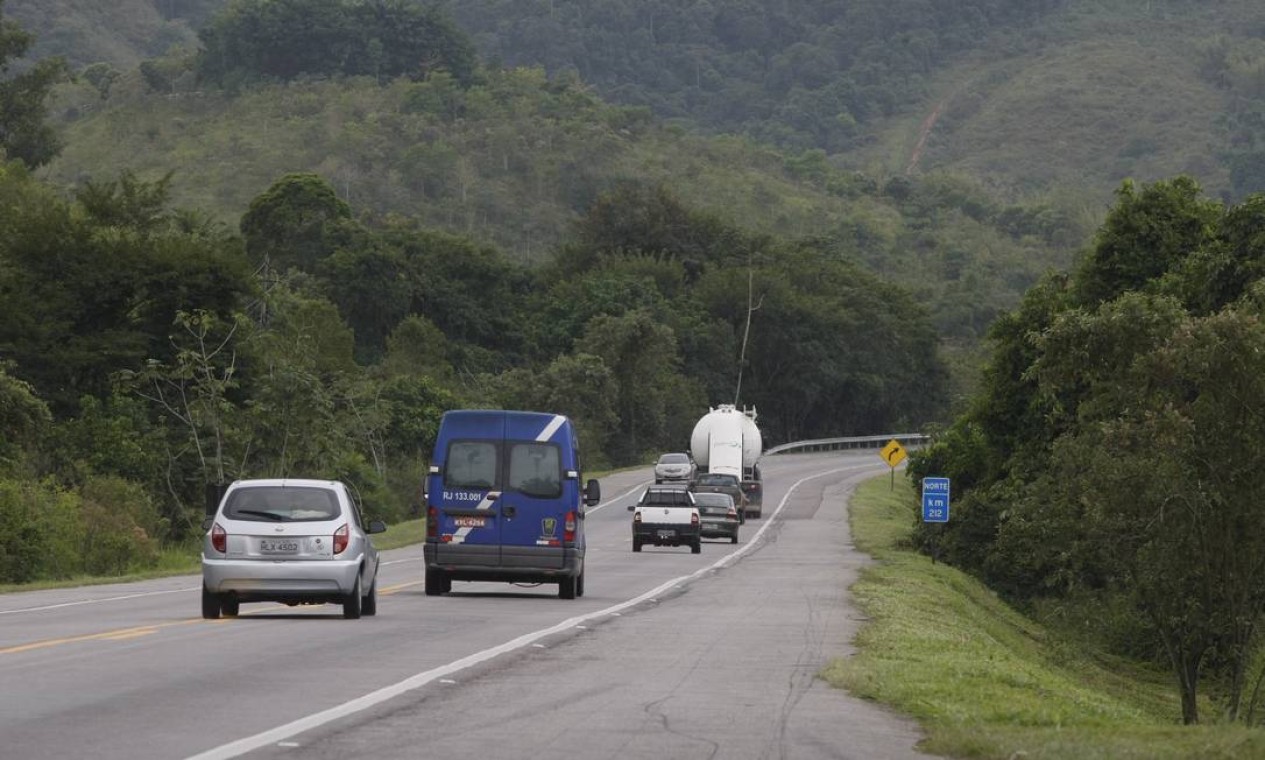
{"points": [[987, 682]]}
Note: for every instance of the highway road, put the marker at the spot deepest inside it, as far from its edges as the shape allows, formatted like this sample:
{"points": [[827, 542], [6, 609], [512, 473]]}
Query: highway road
{"points": [[668, 655]]}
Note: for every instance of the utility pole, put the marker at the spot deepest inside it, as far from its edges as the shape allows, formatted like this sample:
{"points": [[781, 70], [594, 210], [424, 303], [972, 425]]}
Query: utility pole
{"points": [[746, 332]]}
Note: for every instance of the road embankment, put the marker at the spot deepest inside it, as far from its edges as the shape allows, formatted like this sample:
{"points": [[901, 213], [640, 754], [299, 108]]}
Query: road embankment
{"points": [[987, 682]]}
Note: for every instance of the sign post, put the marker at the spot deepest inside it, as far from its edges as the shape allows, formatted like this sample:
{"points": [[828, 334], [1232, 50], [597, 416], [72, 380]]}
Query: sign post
{"points": [[935, 507], [893, 453], [935, 500]]}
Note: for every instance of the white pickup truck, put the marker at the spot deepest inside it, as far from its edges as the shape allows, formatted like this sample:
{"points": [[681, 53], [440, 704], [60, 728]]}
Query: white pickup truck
{"points": [[666, 516]]}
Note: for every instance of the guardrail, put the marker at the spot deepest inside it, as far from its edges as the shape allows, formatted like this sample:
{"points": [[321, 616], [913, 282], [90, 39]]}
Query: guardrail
{"points": [[850, 442]]}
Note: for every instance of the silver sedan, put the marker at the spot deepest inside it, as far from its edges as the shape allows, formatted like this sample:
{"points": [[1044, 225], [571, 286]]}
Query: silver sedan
{"points": [[291, 541]]}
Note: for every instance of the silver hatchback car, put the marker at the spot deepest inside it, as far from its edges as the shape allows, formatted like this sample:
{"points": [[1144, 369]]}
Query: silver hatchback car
{"points": [[291, 541], [674, 467]]}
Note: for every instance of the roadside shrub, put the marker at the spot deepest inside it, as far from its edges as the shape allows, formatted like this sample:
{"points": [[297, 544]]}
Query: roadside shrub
{"points": [[38, 539], [119, 524]]}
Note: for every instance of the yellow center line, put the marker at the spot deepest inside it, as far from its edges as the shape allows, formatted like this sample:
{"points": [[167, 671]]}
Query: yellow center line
{"points": [[124, 634], [387, 591], [121, 634]]}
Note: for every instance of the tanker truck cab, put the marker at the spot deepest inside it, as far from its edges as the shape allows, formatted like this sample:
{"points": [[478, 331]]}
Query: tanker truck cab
{"points": [[504, 501]]}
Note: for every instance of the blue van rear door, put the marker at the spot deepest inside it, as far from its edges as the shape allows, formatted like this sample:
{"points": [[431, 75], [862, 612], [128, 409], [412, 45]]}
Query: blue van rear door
{"points": [[470, 494], [539, 502]]}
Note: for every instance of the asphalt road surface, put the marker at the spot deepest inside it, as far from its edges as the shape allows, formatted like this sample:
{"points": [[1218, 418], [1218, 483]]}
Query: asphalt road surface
{"points": [[668, 655]]}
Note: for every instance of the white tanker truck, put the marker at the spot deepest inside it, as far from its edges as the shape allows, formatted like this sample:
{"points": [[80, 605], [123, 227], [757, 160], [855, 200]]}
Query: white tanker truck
{"points": [[727, 441]]}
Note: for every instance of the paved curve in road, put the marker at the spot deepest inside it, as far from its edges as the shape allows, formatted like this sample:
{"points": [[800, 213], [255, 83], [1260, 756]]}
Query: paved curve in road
{"points": [[668, 655]]}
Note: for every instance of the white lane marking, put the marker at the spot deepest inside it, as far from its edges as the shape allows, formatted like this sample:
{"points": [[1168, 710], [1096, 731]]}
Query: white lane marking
{"points": [[385, 562], [99, 601], [629, 492], [551, 428], [316, 720]]}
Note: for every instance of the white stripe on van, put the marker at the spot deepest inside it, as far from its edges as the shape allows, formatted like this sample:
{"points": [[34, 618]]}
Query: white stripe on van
{"points": [[551, 428], [488, 501]]}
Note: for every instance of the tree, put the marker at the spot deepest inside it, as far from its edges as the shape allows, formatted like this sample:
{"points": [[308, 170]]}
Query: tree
{"points": [[1169, 492], [369, 286], [23, 417], [641, 355], [24, 135], [93, 287], [294, 223], [1147, 233]]}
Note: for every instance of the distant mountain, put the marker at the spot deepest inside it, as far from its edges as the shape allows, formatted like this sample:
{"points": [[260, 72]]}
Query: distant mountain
{"points": [[1035, 98], [1056, 100]]}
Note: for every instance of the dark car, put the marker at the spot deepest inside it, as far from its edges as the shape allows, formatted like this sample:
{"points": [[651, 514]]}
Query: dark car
{"points": [[753, 488], [715, 482], [719, 516]]}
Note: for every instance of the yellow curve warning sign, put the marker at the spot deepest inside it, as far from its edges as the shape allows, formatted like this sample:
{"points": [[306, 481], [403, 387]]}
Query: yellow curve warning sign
{"points": [[893, 453]]}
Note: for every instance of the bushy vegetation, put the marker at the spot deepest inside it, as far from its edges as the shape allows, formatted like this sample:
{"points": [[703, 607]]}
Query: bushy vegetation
{"points": [[153, 352], [1110, 461]]}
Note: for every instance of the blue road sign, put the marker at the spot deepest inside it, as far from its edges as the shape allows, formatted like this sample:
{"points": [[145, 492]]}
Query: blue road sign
{"points": [[935, 500]]}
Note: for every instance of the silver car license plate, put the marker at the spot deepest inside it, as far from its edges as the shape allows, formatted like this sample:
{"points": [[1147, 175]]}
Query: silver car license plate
{"points": [[667, 534], [278, 546]]}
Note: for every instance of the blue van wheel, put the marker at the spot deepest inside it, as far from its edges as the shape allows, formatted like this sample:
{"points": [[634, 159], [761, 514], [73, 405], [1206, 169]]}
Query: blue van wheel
{"points": [[436, 583], [567, 587]]}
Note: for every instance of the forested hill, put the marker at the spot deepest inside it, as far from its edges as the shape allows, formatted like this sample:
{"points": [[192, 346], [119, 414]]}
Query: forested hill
{"points": [[1039, 98], [1032, 96]]}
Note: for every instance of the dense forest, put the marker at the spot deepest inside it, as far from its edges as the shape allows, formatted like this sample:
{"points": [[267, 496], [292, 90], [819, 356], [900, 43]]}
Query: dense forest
{"points": [[151, 349]]}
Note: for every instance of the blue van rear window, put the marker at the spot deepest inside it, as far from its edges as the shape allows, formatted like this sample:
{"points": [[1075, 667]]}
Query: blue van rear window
{"points": [[536, 469], [471, 464]]}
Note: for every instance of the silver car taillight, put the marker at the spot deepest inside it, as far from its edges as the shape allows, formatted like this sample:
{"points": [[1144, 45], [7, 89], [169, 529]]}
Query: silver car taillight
{"points": [[342, 537], [219, 538]]}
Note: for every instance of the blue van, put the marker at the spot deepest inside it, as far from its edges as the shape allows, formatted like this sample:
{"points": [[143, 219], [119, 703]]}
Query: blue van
{"points": [[504, 502]]}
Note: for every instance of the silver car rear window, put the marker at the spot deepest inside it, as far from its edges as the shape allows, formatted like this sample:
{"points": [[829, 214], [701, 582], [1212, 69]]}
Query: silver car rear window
{"points": [[674, 459], [282, 504]]}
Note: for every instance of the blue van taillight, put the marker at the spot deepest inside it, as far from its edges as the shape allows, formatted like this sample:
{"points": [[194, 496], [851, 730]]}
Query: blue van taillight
{"points": [[432, 523], [568, 528]]}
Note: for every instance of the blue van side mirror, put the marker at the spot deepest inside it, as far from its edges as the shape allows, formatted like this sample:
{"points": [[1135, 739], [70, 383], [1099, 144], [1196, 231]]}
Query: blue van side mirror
{"points": [[592, 492]]}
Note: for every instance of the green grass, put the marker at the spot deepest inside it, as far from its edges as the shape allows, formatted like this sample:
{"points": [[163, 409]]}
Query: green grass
{"points": [[987, 682]]}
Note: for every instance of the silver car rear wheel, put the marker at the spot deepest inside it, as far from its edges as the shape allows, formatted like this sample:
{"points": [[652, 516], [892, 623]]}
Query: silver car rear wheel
{"points": [[352, 603], [210, 605]]}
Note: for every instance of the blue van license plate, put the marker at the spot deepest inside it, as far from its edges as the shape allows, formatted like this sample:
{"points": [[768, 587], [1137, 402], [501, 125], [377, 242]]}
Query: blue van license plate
{"points": [[470, 522]]}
